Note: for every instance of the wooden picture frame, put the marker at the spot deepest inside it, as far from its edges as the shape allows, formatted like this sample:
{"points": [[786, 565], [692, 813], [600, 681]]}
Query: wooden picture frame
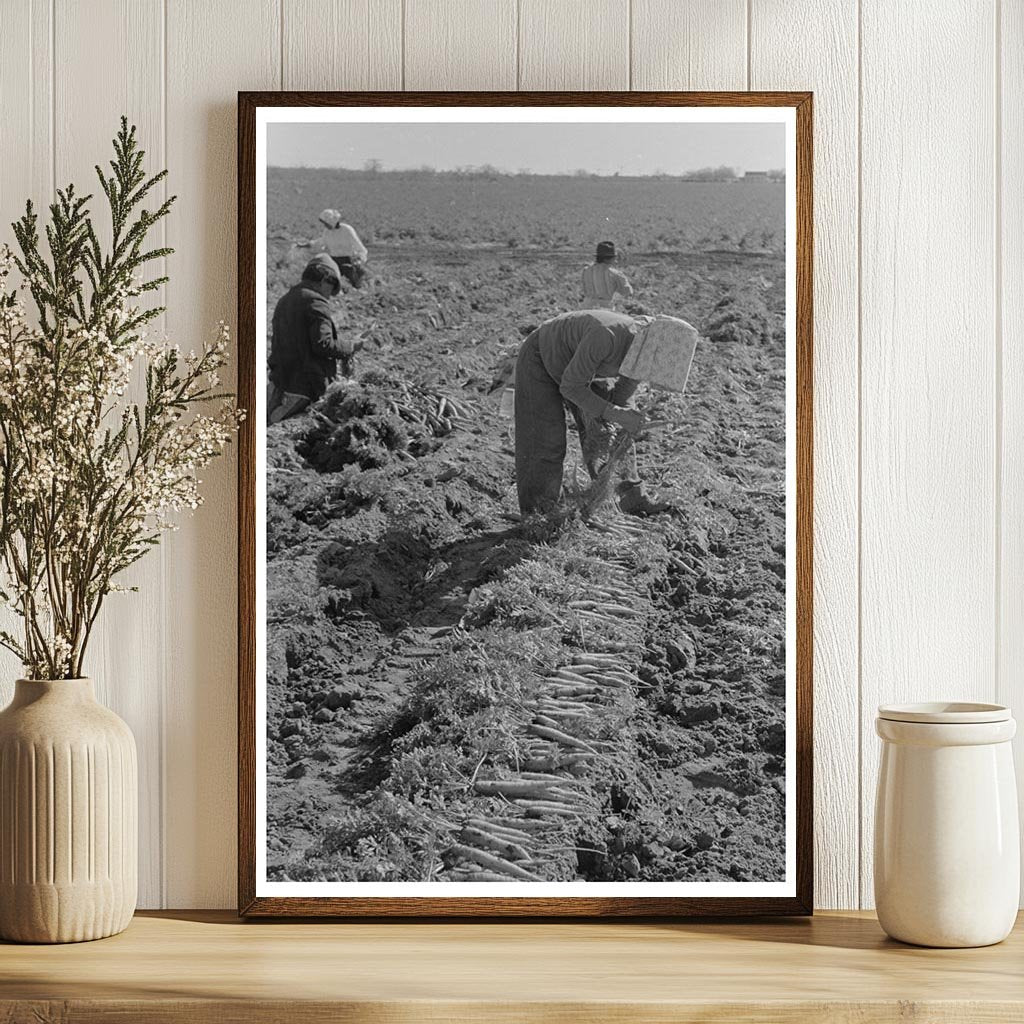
{"points": [[253, 903]]}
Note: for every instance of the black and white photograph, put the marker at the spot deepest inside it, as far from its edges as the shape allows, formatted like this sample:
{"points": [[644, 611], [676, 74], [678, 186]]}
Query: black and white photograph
{"points": [[525, 502]]}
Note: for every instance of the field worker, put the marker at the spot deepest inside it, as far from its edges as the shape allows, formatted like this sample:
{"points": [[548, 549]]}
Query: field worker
{"points": [[342, 244], [304, 346], [557, 366], [602, 282]]}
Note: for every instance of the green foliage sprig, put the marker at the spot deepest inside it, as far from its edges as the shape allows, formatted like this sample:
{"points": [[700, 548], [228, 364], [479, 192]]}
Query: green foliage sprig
{"points": [[91, 471]]}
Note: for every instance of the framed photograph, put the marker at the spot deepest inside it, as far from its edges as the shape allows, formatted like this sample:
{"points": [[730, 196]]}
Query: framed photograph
{"points": [[525, 504]]}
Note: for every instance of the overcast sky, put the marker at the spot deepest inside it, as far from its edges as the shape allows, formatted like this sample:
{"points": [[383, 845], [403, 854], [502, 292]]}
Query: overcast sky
{"points": [[541, 148]]}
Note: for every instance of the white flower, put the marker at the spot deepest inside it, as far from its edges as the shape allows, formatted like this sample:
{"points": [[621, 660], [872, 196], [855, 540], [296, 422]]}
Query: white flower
{"points": [[95, 464]]}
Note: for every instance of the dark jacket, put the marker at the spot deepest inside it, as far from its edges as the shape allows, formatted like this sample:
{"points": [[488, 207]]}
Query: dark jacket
{"points": [[304, 344]]}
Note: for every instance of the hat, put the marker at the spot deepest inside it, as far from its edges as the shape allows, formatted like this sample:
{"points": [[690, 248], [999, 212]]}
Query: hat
{"points": [[322, 268], [330, 218], [605, 250], [661, 353]]}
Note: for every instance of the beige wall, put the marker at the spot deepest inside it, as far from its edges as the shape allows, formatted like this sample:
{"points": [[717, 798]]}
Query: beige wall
{"points": [[919, 325]]}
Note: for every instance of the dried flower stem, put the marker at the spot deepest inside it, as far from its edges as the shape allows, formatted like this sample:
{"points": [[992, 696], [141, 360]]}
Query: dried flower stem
{"points": [[89, 477]]}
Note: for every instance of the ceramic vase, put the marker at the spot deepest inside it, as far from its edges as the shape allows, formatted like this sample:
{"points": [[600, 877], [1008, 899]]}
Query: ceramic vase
{"points": [[68, 815], [947, 848]]}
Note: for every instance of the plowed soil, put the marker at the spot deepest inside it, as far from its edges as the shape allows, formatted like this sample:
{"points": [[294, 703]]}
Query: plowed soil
{"points": [[421, 638]]}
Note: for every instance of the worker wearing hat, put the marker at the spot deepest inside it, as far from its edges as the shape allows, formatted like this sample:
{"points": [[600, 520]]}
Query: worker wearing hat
{"points": [[602, 282], [305, 349], [340, 241], [558, 365]]}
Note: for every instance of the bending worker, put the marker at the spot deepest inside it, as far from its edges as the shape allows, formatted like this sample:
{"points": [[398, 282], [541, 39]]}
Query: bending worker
{"points": [[340, 241], [602, 282], [559, 364], [304, 346]]}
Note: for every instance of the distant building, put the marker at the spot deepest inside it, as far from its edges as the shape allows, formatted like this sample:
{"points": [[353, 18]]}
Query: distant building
{"points": [[755, 176]]}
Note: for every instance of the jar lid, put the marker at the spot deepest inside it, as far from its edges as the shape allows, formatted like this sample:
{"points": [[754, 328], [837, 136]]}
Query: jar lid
{"points": [[945, 713]]}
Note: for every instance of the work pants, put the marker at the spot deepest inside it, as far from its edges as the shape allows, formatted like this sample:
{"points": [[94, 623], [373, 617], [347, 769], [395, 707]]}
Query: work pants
{"points": [[541, 433]]}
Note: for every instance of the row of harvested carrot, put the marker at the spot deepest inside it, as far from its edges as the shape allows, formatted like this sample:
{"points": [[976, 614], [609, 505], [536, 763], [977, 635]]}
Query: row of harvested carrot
{"points": [[529, 811]]}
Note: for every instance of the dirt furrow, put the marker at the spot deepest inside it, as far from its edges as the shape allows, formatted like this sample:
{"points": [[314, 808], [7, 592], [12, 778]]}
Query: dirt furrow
{"points": [[559, 785], [422, 642]]}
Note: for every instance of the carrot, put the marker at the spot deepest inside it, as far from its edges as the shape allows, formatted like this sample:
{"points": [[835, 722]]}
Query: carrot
{"points": [[542, 777], [545, 720], [489, 825], [480, 876], [608, 682], [509, 787], [572, 796], [614, 680], [597, 659], [494, 863], [596, 616], [620, 609], [574, 690], [626, 678], [568, 681], [572, 677], [478, 838], [559, 704], [524, 824], [575, 759], [549, 733], [546, 807], [559, 713]]}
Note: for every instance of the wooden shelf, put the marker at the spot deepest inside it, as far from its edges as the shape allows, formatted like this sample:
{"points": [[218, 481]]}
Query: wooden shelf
{"points": [[203, 967]]}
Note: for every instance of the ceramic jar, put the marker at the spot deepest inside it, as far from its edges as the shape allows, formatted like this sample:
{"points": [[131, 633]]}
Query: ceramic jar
{"points": [[947, 848], [68, 815]]}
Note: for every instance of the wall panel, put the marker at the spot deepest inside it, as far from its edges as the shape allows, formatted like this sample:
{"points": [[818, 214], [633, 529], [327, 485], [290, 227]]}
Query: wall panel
{"points": [[928, 363], [918, 425], [689, 44], [126, 655], [1010, 370], [574, 44], [26, 119], [780, 60], [460, 44], [345, 44], [208, 61], [26, 108]]}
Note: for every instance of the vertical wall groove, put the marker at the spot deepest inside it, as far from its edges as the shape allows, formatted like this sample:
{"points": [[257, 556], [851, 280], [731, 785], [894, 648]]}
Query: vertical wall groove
{"points": [[33, 825], [90, 795], [465, 45], [519, 48], [629, 36], [53, 97], [69, 845], [749, 45], [165, 662], [860, 459], [51, 795], [6, 817], [1011, 318], [31, 89], [997, 232]]}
